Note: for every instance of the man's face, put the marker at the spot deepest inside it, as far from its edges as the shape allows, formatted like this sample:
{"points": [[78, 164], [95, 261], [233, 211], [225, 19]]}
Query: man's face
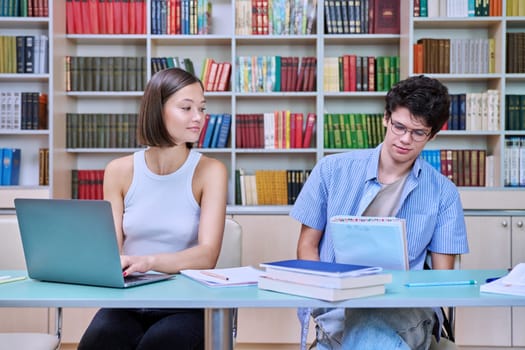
{"points": [[405, 136]]}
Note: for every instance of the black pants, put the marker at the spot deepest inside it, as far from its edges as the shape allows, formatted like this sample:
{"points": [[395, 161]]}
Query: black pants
{"points": [[126, 329]]}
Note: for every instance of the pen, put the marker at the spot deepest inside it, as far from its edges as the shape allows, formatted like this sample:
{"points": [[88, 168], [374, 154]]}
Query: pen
{"points": [[215, 275], [446, 283]]}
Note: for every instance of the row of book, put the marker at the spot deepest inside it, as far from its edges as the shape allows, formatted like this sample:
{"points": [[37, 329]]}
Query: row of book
{"points": [[10, 166], [101, 130], [464, 167], [111, 73], [514, 162], [87, 183], [268, 187], [458, 8], [281, 129], [515, 112], [351, 72], [474, 111], [160, 63], [216, 131], [362, 17], [323, 280], [24, 54], [514, 58], [215, 75], [353, 130], [180, 16], [106, 17], [455, 56], [275, 17], [28, 8], [515, 8], [23, 110], [275, 73]]}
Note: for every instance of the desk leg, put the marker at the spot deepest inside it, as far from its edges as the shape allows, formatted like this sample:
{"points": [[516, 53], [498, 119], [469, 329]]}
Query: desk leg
{"points": [[218, 331]]}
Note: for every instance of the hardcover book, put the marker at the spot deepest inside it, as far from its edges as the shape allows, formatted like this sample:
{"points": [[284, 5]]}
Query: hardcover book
{"points": [[326, 274], [386, 17], [310, 291]]}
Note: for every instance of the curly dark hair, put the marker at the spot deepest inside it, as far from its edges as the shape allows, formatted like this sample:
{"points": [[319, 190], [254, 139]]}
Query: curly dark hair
{"points": [[151, 130], [426, 98]]}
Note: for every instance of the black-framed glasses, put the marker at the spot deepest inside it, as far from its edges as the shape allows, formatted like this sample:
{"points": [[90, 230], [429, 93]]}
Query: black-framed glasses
{"points": [[399, 129]]}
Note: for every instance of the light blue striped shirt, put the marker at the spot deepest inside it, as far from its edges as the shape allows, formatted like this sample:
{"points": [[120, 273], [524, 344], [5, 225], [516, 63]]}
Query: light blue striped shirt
{"points": [[346, 183]]}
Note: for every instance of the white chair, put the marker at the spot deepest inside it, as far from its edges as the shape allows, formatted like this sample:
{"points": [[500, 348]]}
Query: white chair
{"points": [[230, 256], [33, 340]]}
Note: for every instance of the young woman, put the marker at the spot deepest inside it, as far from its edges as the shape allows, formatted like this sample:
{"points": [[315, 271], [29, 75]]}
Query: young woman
{"points": [[169, 205]]}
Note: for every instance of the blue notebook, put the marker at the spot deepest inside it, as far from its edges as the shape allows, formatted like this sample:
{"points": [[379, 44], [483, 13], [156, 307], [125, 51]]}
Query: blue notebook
{"points": [[322, 268]]}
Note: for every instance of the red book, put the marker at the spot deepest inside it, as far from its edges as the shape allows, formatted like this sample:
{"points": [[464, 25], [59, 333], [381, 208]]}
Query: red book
{"points": [[140, 11], [313, 74], [203, 131], [292, 73], [239, 120], [300, 76], [110, 14], [260, 130], [220, 67], [386, 17], [86, 20], [177, 16], [125, 16], [132, 13], [93, 16], [353, 72], [308, 130], [102, 17], [99, 184], [371, 73], [117, 16], [77, 18], [298, 135], [284, 73], [224, 79], [307, 72], [70, 18]]}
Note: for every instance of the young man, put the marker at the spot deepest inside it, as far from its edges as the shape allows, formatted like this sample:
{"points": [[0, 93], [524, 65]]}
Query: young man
{"points": [[390, 180]]}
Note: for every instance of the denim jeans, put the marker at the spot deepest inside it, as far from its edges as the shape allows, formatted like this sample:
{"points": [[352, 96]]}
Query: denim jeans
{"points": [[126, 329], [370, 329]]}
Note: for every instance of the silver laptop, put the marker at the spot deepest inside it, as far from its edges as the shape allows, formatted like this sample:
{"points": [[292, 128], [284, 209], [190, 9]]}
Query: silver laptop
{"points": [[73, 241]]}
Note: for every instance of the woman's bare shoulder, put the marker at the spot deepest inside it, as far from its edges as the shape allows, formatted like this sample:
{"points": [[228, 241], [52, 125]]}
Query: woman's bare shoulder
{"points": [[120, 166]]}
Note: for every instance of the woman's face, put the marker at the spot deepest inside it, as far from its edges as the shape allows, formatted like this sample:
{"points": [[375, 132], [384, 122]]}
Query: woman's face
{"points": [[184, 114]]}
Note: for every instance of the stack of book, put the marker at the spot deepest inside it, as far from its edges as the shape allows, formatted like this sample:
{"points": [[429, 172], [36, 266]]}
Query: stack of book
{"points": [[323, 280]]}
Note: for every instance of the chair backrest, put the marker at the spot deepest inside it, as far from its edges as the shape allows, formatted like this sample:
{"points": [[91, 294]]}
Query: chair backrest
{"points": [[231, 249]]}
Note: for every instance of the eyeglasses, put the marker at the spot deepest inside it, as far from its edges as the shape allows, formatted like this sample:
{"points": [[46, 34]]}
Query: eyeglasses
{"points": [[399, 129]]}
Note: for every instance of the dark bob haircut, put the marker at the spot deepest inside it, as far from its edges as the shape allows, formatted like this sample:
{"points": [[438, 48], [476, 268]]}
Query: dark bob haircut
{"points": [[151, 130]]}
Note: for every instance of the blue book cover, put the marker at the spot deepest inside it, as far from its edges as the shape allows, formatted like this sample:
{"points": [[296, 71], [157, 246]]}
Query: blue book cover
{"points": [[216, 130], [209, 131], [224, 130], [11, 166], [322, 268]]}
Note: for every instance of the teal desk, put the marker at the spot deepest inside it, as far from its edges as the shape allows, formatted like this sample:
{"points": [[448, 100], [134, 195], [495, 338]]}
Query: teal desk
{"points": [[182, 292]]}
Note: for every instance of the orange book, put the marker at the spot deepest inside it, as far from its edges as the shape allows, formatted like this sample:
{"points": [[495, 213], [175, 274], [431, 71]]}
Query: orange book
{"points": [[214, 66], [418, 58], [224, 78]]}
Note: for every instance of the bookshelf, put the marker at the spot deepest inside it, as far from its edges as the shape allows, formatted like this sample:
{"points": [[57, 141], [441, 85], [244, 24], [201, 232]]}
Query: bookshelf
{"points": [[29, 141]]}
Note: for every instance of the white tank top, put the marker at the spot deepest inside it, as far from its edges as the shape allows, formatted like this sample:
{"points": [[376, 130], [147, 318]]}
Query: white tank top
{"points": [[160, 212]]}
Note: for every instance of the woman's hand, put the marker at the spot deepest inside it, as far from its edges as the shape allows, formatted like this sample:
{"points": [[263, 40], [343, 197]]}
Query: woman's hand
{"points": [[131, 264]]}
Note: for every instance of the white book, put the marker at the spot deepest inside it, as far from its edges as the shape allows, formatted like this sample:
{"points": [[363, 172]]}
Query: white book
{"points": [[370, 241]]}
